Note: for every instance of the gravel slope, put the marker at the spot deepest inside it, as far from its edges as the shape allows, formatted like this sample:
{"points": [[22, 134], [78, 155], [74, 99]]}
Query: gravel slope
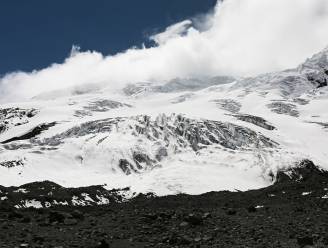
{"points": [[291, 213]]}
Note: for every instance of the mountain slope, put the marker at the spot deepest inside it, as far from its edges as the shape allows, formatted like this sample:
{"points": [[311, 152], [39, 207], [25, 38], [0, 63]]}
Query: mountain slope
{"points": [[185, 135]]}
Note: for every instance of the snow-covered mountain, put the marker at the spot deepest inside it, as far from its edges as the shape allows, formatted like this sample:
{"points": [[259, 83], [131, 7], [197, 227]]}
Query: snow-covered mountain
{"points": [[185, 135]]}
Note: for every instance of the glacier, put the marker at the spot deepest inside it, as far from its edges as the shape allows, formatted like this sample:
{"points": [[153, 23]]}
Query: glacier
{"points": [[187, 135]]}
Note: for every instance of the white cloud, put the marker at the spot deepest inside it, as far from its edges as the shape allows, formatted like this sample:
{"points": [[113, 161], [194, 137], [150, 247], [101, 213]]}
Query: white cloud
{"points": [[242, 37], [174, 31]]}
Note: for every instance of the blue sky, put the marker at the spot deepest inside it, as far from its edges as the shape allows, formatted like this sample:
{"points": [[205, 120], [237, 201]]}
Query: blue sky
{"points": [[36, 33], [238, 38]]}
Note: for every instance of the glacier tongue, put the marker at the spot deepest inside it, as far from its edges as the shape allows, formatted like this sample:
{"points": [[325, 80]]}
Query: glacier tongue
{"points": [[185, 135]]}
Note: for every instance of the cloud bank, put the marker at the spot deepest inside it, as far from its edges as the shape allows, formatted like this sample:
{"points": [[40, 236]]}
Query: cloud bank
{"points": [[240, 38]]}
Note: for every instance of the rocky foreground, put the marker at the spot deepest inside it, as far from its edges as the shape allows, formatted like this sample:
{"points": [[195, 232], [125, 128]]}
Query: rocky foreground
{"points": [[291, 213]]}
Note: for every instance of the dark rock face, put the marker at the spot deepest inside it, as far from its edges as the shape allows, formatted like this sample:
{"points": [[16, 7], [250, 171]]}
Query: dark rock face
{"points": [[277, 216], [283, 108], [11, 163], [256, 120], [2, 127], [10, 117], [228, 105], [102, 105], [306, 170], [318, 80], [31, 134], [126, 166], [141, 159], [301, 101], [105, 105]]}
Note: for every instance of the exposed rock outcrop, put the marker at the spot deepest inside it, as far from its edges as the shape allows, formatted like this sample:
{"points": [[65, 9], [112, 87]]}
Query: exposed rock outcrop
{"points": [[10, 117], [283, 108], [304, 171], [256, 120]]}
